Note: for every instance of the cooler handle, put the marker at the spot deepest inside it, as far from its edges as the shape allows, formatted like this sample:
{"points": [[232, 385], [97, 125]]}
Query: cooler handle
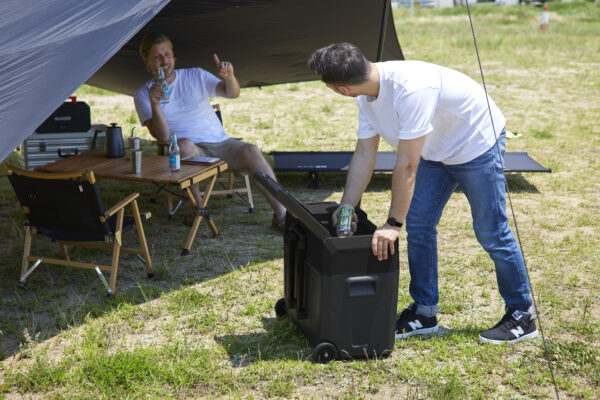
{"points": [[61, 155], [362, 286]]}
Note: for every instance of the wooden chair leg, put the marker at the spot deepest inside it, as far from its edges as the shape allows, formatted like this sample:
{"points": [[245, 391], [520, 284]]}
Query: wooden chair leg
{"points": [[26, 250], [64, 250], [116, 250], [231, 180], [142, 237]]}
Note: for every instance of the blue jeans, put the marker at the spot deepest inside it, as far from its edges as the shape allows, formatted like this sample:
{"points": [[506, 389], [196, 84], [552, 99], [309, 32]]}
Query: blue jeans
{"points": [[482, 181]]}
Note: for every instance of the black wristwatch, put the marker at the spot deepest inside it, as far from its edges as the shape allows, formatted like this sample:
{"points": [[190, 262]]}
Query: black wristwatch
{"points": [[391, 221]]}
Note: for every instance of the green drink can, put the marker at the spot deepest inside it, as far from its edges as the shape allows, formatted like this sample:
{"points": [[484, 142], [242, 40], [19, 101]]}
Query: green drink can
{"points": [[344, 224]]}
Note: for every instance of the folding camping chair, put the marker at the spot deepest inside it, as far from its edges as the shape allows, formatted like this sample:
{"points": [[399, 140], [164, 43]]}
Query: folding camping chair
{"points": [[226, 182], [67, 207]]}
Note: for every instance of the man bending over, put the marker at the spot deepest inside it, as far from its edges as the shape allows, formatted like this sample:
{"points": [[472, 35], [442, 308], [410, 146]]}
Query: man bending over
{"points": [[439, 122]]}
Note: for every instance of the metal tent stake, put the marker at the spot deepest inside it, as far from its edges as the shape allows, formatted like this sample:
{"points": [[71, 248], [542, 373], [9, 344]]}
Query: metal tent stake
{"points": [[103, 280], [29, 271]]}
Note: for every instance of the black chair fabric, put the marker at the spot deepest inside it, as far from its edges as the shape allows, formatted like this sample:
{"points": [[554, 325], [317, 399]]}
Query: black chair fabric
{"points": [[70, 206]]}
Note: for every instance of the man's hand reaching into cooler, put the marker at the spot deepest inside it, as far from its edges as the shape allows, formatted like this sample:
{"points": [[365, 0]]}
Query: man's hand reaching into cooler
{"points": [[383, 241]]}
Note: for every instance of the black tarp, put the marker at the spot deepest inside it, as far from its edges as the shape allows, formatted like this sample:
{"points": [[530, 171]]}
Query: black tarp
{"points": [[49, 48], [268, 41]]}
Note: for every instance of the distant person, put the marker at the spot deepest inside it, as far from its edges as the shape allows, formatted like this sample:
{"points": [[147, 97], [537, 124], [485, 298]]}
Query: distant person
{"points": [[438, 120], [190, 115]]}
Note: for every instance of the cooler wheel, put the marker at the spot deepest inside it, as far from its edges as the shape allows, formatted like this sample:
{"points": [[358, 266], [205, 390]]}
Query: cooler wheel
{"points": [[324, 352], [280, 310]]}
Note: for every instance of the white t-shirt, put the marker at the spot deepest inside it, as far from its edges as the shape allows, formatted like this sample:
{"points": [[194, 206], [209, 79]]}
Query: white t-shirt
{"points": [[418, 98], [188, 113]]}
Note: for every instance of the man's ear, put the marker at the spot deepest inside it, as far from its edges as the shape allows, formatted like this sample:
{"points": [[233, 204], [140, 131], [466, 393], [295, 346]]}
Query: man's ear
{"points": [[345, 90]]}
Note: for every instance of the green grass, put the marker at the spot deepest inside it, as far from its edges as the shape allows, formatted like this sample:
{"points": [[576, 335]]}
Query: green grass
{"points": [[204, 327]]}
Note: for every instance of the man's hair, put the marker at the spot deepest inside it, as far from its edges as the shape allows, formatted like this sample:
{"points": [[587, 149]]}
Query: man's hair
{"points": [[340, 63], [152, 39]]}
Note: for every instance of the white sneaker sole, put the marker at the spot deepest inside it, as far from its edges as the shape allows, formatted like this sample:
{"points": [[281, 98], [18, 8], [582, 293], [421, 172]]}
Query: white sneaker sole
{"points": [[420, 332], [531, 335]]}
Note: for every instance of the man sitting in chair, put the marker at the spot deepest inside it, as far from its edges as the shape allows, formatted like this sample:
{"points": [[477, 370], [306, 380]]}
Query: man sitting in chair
{"points": [[190, 115]]}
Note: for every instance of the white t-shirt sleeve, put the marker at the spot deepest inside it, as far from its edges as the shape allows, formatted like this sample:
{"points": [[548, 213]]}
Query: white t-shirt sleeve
{"points": [[365, 129], [415, 112], [142, 105], [208, 82]]}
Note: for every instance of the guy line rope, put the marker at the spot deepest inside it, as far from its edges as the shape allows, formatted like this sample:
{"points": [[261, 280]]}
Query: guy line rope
{"points": [[537, 314]]}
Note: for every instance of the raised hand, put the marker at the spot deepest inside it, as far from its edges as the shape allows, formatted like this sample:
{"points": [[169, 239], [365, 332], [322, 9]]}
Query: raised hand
{"points": [[224, 68]]}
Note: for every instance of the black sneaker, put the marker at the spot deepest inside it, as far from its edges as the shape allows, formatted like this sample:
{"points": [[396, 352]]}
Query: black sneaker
{"points": [[410, 323], [512, 328]]}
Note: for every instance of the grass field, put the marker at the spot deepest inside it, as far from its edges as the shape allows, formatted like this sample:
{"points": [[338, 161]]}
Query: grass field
{"points": [[204, 327]]}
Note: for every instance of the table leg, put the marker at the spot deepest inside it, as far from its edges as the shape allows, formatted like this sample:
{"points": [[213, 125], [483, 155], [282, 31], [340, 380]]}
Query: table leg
{"points": [[200, 211], [205, 197]]}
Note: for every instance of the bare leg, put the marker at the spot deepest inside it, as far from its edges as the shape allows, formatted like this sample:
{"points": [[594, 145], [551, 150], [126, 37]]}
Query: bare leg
{"points": [[249, 158]]}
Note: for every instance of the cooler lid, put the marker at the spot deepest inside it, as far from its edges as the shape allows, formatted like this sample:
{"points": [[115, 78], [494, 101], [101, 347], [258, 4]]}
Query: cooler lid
{"points": [[293, 206]]}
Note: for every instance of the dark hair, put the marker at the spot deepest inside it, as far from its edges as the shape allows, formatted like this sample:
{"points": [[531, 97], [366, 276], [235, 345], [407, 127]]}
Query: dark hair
{"points": [[340, 63], [150, 40]]}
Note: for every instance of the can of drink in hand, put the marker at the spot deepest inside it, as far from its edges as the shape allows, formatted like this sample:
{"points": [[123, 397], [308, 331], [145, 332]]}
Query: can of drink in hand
{"points": [[344, 224]]}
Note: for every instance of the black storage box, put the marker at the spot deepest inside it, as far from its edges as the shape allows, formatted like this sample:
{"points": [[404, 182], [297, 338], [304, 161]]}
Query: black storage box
{"points": [[336, 291], [68, 131], [71, 116]]}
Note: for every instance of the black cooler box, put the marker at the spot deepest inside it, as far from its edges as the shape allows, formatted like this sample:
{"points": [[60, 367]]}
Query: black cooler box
{"points": [[336, 291]]}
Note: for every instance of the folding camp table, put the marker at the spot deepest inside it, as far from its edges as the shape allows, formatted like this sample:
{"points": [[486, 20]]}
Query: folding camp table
{"points": [[314, 162], [155, 170]]}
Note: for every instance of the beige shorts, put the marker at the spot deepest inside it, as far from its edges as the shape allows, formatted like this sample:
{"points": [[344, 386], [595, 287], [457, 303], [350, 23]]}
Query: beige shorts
{"points": [[225, 150]]}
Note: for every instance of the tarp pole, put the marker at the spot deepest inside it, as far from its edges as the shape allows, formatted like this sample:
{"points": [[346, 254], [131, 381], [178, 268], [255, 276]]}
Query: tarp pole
{"points": [[386, 10]]}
